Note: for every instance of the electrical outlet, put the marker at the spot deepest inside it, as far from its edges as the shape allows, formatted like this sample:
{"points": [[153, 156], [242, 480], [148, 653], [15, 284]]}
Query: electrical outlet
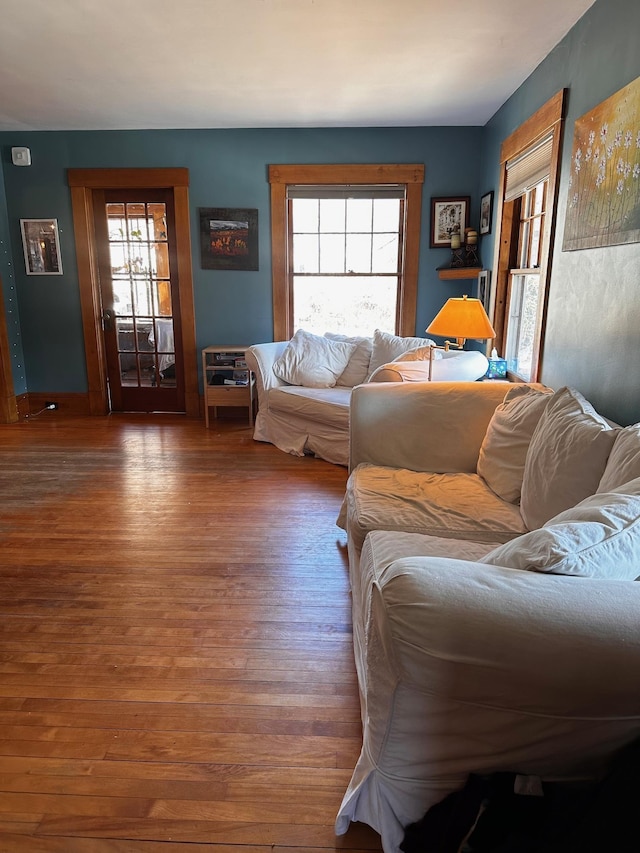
{"points": [[51, 405]]}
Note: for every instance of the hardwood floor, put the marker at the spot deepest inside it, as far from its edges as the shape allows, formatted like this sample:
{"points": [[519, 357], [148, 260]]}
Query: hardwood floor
{"points": [[176, 667]]}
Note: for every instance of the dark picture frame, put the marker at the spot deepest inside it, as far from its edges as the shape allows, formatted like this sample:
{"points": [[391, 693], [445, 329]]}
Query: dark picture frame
{"points": [[486, 212], [228, 238], [448, 216], [41, 246], [484, 289]]}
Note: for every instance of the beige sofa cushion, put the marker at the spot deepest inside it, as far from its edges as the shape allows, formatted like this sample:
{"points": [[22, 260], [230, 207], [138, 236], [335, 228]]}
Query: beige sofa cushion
{"points": [[598, 538], [357, 369], [504, 450], [623, 463], [387, 347], [453, 506], [566, 458], [313, 361]]}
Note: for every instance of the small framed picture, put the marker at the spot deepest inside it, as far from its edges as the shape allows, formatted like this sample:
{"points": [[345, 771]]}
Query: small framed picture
{"points": [[484, 289], [486, 213], [228, 238], [41, 246], [448, 216]]}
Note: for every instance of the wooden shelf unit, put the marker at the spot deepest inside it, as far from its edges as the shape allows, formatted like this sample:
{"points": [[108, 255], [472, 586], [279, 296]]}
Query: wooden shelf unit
{"points": [[214, 363], [451, 273]]}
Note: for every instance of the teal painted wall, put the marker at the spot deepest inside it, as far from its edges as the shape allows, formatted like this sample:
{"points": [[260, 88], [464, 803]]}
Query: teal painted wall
{"points": [[593, 326], [227, 168]]}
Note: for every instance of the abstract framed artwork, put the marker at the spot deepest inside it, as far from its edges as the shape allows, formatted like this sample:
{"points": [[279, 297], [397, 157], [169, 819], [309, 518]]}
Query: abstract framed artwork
{"points": [[41, 246], [228, 238], [603, 204], [448, 216]]}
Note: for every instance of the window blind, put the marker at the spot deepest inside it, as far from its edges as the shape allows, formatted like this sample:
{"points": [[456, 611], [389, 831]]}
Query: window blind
{"points": [[529, 168], [326, 191]]}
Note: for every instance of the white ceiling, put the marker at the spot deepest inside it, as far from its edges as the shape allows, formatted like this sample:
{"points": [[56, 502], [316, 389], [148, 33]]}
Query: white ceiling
{"points": [[110, 64]]}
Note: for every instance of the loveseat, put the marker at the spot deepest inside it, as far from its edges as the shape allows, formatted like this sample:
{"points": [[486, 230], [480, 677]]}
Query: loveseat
{"points": [[492, 542], [304, 385]]}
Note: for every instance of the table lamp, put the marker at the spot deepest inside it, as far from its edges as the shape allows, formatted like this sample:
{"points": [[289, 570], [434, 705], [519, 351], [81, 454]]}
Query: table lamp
{"points": [[459, 318]]}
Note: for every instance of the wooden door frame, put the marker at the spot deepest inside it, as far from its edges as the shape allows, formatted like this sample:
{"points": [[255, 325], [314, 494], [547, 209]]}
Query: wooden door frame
{"points": [[82, 183], [8, 402]]}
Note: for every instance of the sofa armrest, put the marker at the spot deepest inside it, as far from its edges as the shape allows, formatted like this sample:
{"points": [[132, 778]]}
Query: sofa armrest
{"points": [[513, 640], [422, 426], [260, 359]]}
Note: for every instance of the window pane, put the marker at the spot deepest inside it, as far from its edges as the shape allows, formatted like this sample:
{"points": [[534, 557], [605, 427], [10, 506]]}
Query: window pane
{"points": [[385, 253], [332, 253], [352, 306], [359, 253], [359, 212], [539, 193], [523, 317], [332, 214], [305, 215], [536, 227], [305, 253], [386, 214]]}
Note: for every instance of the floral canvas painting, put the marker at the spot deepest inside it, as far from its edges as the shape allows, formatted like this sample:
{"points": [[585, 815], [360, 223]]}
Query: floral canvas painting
{"points": [[604, 185]]}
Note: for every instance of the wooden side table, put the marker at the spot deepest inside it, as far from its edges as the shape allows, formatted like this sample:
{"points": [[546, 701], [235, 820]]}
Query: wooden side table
{"points": [[228, 382]]}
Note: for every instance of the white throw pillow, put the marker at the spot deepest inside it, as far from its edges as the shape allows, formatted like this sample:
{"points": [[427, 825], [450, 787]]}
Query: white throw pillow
{"points": [[357, 370], [313, 361], [504, 449], [623, 463], [566, 457], [598, 538], [388, 347]]}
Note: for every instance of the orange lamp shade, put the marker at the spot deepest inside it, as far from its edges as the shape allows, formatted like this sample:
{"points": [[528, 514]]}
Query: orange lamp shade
{"points": [[462, 318]]}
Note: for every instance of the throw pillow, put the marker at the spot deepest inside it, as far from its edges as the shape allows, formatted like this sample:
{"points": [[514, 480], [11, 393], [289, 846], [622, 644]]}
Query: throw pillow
{"points": [[357, 369], [598, 538], [387, 347], [313, 361], [504, 449], [566, 458], [623, 463], [419, 354]]}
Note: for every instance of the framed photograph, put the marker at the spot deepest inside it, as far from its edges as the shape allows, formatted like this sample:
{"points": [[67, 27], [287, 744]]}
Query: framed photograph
{"points": [[486, 213], [228, 238], [448, 215], [484, 289], [41, 246]]}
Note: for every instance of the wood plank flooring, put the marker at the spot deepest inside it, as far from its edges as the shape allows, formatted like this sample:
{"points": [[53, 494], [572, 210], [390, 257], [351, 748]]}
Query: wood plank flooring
{"points": [[176, 665]]}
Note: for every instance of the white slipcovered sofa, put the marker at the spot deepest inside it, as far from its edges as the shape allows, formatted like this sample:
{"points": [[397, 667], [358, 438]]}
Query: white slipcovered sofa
{"points": [[491, 548], [304, 385]]}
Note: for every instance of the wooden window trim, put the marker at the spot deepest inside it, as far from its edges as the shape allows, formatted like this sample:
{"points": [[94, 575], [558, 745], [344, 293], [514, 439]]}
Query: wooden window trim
{"points": [[409, 174], [82, 183], [548, 118]]}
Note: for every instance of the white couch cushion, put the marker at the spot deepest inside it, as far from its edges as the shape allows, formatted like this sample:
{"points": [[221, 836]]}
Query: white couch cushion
{"points": [[357, 369], [388, 347], [455, 506], [313, 361], [453, 366], [623, 463], [504, 449], [322, 405], [566, 458], [598, 538]]}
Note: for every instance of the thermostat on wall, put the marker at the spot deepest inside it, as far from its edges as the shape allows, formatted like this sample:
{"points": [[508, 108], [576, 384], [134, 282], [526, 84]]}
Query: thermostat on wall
{"points": [[21, 156]]}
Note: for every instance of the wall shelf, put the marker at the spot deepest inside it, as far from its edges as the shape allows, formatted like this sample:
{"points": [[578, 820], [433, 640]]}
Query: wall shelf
{"points": [[451, 273]]}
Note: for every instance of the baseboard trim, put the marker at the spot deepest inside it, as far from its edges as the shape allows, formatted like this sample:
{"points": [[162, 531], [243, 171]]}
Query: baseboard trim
{"points": [[68, 404]]}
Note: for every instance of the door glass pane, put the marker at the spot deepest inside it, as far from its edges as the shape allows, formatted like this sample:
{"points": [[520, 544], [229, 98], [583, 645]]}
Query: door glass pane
{"points": [[141, 287]]}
